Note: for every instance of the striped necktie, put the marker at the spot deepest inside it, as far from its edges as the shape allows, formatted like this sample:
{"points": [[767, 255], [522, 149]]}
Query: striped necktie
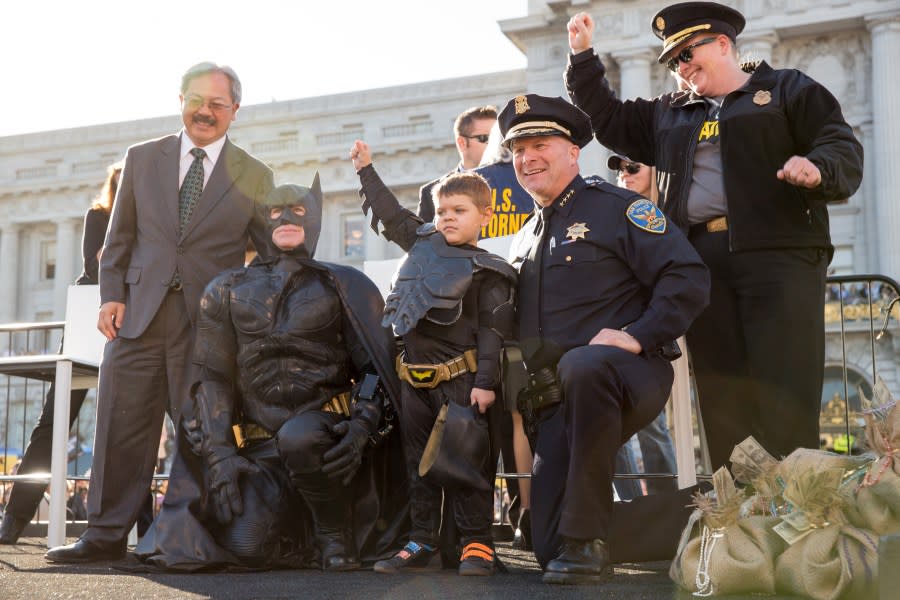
{"points": [[191, 188]]}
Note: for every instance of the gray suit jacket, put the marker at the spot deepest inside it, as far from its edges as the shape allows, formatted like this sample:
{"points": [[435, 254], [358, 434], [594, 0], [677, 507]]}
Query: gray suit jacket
{"points": [[143, 249]]}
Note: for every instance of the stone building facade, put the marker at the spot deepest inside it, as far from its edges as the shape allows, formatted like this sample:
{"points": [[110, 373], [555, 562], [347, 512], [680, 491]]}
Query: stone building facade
{"points": [[48, 179]]}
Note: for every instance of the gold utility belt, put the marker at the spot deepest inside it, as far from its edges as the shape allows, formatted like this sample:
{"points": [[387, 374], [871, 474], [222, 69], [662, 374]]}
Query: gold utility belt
{"points": [[251, 432], [430, 376]]}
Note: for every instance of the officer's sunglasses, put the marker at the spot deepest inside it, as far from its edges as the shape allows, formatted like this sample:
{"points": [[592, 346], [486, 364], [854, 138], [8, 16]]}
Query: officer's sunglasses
{"points": [[483, 138], [687, 54], [631, 168]]}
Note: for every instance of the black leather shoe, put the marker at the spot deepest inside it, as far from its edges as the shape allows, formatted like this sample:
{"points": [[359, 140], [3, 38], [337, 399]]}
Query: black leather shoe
{"points": [[581, 561], [11, 529], [84, 551]]}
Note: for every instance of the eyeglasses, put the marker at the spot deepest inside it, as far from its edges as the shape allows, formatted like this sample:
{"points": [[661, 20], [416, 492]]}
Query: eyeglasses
{"points": [[196, 102], [632, 168], [483, 138], [687, 54]]}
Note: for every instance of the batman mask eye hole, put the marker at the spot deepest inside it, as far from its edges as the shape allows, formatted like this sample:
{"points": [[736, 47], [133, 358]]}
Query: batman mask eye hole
{"points": [[298, 210], [275, 213]]}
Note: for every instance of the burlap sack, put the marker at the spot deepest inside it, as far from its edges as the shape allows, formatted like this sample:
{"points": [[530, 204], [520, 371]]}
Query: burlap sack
{"points": [[804, 460], [878, 494], [741, 557], [878, 505], [833, 563]]}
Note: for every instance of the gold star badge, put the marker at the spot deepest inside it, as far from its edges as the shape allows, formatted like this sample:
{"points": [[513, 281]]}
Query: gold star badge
{"points": [[762, 97], [521, 105], [577, 231]]}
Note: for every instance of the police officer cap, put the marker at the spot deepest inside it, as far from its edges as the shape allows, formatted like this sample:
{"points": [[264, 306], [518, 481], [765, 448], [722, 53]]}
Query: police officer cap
{"points": [[679, 22], [533, 115]]}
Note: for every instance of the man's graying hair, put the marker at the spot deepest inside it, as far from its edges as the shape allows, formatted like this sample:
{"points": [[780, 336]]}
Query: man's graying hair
{"points": [[206, 68]]}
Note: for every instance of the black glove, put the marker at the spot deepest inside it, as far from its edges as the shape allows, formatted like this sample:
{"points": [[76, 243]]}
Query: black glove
{"points": [[344, 459], [224, 491], [194, 435]]}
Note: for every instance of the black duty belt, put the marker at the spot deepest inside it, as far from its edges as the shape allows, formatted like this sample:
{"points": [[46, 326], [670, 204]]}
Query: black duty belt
{"points": [[542, 390], [245, 433], [431, 375]]}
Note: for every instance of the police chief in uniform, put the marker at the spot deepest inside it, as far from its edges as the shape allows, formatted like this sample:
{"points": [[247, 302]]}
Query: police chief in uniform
{"points": [[605, 286]]}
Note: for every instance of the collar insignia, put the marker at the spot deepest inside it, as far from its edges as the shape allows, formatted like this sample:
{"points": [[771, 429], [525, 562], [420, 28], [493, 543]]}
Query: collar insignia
{"points": [[566, 198], [522, 105], [577, 231], [643, 214], [762, 97]]}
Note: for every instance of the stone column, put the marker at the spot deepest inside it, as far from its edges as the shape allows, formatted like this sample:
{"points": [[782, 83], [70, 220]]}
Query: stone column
{"points": [[635, 82], [635, 68], [886, 139], [865, 252], [66, 251], [757, 45], [9, 271]]}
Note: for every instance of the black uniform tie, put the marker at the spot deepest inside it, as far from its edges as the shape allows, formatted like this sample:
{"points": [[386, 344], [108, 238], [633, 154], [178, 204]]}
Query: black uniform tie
{"points": [[531, 295]]}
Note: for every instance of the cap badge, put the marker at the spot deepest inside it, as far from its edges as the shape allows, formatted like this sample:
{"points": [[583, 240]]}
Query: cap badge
{"points": [[577, 231], [660, 23], [522, 105], [762, 97], [645, 215]]}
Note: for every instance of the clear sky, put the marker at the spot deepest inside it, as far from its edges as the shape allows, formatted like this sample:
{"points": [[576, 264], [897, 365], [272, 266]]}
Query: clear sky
{"points": [[69, 63]]}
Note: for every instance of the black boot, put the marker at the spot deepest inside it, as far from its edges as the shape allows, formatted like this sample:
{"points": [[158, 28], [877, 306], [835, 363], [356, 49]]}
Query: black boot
{"points": [[580, 561], [332, 520], [522, 538], [11, 528]]}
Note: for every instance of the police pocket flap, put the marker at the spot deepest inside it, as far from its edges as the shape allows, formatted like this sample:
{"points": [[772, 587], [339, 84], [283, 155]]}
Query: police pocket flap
{"points": [[133, 275], [572, 254]]}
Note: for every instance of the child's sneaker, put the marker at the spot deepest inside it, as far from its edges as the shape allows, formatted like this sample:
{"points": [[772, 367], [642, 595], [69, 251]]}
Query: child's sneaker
{"points": [[412, 556], [477, 559]]}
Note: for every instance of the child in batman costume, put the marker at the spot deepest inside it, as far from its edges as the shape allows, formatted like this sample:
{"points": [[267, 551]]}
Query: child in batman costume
{"points": [[294, 360], [452, 303]]}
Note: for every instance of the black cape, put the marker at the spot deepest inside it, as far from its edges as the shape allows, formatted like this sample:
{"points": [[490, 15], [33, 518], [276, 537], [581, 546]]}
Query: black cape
{"points": [[180, 539]]}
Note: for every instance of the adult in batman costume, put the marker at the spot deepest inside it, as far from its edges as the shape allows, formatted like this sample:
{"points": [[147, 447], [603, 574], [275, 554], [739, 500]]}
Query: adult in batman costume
{"points": [[302, 370]]}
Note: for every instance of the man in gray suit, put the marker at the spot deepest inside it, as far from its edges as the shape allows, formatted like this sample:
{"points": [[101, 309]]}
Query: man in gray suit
{"points": [[183, 214]]}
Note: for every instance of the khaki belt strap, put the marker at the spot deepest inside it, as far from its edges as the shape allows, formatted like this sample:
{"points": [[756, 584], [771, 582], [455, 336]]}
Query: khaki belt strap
{"points": [[340, 404], [251, 432], [430, 376], [717, 224]]}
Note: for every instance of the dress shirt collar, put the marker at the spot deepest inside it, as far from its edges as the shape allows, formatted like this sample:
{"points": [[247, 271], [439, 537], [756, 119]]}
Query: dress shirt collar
{"points": [[212, 150]]}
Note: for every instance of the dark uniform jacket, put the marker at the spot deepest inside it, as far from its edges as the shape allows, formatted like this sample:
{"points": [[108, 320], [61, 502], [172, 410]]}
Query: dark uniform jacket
{"points": [[602, 270], [776, 115]]}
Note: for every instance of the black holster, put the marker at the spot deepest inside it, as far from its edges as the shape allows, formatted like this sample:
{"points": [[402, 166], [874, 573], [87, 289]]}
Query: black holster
{"points": [[542, 391], [670, 351]]}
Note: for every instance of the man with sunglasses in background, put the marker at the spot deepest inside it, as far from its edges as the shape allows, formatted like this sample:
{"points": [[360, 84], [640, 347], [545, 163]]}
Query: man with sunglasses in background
{"points": [[472, 128], [183, 214], [746, 163]]}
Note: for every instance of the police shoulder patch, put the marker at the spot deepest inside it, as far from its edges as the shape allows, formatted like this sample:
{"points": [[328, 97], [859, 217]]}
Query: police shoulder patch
{"points": [[645, 215]]}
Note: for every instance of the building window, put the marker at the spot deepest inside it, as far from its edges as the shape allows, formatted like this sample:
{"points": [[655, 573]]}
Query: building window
{"points": [[48, 260], [354, 236]]}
